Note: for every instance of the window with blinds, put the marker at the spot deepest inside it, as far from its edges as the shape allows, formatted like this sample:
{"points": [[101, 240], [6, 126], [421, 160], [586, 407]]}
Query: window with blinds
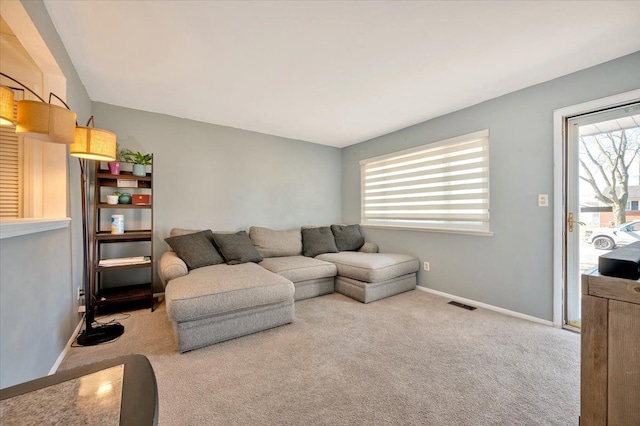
{"points": [[10, 172], [442, 186]]}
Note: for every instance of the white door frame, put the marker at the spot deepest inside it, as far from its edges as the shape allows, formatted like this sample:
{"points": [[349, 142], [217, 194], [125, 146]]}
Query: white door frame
{"points": [[559, 116]]}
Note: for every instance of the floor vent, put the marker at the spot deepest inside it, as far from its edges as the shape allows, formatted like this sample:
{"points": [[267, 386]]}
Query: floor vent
{"points": [[463, 306]]}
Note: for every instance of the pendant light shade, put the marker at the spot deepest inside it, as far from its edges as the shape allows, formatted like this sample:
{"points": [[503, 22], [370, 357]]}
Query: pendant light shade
{"points": [[6, 106], [46, 122], [93, 144]]}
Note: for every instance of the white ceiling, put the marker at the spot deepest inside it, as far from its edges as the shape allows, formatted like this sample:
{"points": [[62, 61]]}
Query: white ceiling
{"points": [[334, 73]]}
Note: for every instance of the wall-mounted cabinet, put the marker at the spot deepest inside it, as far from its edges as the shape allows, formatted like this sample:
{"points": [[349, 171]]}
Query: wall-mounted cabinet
{"points": [[122, 266]]}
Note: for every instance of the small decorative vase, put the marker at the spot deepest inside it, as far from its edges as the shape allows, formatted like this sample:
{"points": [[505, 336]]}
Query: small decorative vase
{"points": [[124, 198], [114, 167], [112, 199], [139, 170]]}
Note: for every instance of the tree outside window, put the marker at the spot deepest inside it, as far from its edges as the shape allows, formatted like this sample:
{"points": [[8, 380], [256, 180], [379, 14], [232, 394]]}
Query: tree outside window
{"points": [[608, 160]]}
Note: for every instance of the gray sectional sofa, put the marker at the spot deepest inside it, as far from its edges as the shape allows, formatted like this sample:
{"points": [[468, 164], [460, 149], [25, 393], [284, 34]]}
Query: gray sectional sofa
{"points": [[219, 286]]}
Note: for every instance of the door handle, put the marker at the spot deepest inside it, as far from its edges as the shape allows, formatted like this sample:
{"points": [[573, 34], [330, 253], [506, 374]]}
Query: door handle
{"points": [[570, 222]]}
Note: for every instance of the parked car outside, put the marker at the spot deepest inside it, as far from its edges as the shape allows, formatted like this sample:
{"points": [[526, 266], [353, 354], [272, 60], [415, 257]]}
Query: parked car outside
{"points": [[608, 238]]}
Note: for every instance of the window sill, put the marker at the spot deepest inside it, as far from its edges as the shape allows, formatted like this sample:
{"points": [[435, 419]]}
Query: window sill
{"points": [[423, 229], [17, 227]]}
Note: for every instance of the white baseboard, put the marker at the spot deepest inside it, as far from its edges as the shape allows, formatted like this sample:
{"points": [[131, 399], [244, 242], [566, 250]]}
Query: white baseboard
{"points": [[486, 306], [67, 347]]}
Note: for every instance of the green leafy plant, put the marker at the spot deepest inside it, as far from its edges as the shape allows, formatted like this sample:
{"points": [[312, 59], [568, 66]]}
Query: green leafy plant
{"points": [[136, 157], [122, 154]]}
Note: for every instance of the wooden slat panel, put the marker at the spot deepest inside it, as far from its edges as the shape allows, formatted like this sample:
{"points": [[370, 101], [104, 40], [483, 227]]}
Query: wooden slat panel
{"points": [[593, 359], [9, 173], [624, 363]]}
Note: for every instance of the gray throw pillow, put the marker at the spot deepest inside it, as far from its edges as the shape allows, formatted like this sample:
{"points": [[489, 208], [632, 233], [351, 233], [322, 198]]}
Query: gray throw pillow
{"points": [[196, 250], [348, 237], [237, 248], [317, 241]]}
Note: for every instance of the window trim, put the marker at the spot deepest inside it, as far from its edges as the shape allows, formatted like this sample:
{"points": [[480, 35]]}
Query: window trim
{"points": [[444, 228]]}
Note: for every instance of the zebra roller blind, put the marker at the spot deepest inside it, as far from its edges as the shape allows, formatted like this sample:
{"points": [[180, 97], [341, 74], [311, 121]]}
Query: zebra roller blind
{"points": [[443, 185]]}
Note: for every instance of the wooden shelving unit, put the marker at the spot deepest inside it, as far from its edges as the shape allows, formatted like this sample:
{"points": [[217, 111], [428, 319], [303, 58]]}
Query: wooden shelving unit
{"points": [[125, 294], [118, 294]]}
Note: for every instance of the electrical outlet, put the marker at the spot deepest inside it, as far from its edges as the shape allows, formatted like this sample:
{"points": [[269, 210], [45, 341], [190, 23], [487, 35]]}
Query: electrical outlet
{"points": [[543, 200], [425, 266], [80, 294]]}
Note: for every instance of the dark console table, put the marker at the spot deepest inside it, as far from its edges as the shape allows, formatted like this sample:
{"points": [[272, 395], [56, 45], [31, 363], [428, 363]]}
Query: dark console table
{"points": [[119, 391]]}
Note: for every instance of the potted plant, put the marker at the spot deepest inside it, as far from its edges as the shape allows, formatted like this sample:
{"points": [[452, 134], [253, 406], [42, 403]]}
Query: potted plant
{"points": [[113, 198], [140, 161], [121, 155]]}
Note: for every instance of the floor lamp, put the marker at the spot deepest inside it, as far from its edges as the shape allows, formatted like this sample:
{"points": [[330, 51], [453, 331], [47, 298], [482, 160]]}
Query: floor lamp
{"points": [[51, 123], [90, 144]]}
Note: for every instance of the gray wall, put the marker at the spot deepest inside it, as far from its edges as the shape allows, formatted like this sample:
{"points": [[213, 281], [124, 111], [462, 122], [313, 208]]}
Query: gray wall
{"points": [[221, 178], [35, 304], [513, 268], [39, 272]]}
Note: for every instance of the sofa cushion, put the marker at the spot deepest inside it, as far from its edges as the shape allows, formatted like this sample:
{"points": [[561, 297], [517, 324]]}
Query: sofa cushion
{"points": [[219, 289], [236, 248], [176, 232], [348, 237], [371, 267], [195, 249], [316, 241], [271, 243], [299, 268]]}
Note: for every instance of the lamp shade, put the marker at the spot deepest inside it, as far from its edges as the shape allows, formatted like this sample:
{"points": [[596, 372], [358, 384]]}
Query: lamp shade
{"points": [[46, 122], [93, 144], [6, 106]]}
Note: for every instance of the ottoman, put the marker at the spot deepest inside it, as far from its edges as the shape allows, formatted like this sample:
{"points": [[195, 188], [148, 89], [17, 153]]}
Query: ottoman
{"points": [[372, 276], [222, 302]]}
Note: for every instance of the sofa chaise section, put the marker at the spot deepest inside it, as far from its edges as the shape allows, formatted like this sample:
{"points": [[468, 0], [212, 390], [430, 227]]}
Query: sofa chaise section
{"points": [[368, 277], [221, 302]]}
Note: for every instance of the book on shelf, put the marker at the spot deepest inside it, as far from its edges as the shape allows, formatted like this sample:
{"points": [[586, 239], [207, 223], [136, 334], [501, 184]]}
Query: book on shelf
{"points": [[126, 183], [120, 261]]}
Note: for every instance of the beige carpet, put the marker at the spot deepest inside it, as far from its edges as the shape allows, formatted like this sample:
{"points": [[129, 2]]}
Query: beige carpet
{"points": [[409, 360]]}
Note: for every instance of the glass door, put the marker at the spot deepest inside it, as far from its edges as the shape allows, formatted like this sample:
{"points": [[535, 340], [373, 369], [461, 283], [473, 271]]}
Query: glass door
{"points": [[603, 193]]}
